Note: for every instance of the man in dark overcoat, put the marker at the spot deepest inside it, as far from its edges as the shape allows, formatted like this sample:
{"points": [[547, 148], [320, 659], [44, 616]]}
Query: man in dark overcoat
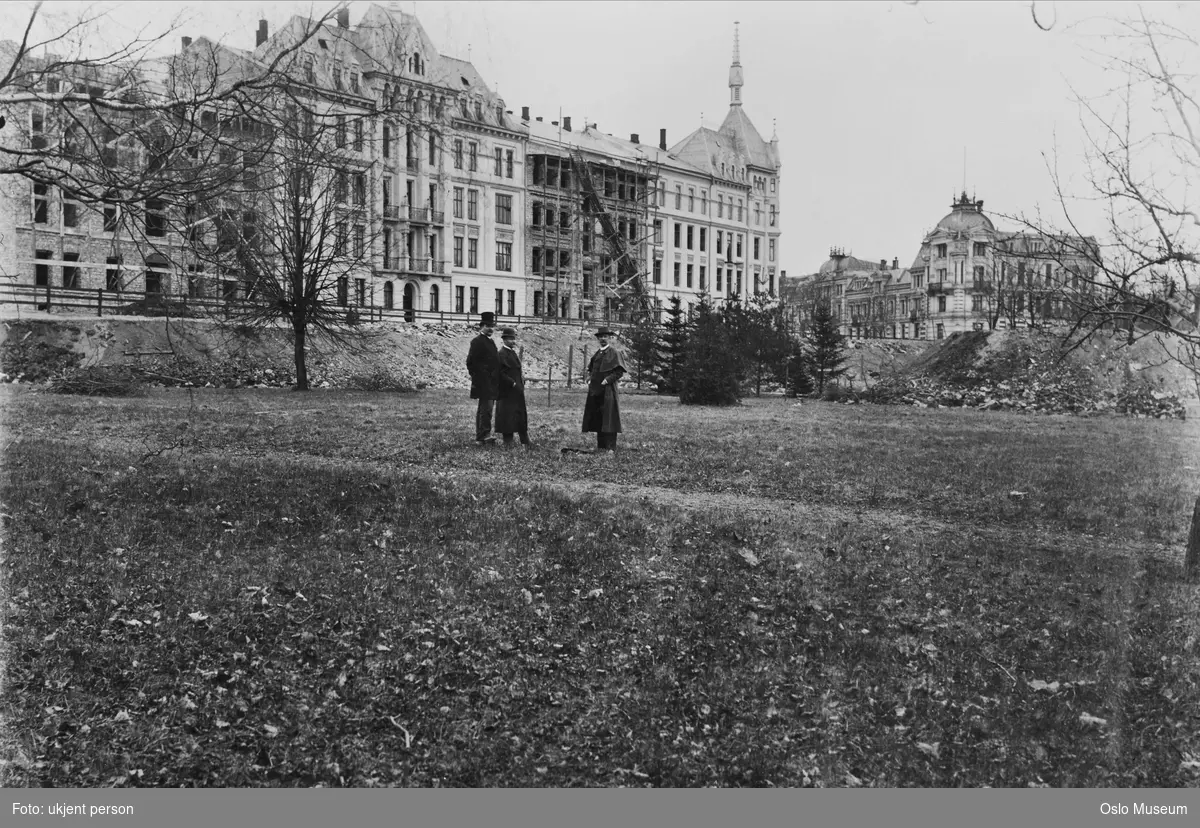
{"points": [[511, 415], [483, 363], [601, 413]]}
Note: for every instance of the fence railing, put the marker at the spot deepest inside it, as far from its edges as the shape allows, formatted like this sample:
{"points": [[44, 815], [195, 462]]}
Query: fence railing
{"points": [[110, 302]]}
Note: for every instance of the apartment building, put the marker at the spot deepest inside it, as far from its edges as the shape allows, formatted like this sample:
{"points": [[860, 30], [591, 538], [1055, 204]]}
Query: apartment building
{"points": [[966, 276]]}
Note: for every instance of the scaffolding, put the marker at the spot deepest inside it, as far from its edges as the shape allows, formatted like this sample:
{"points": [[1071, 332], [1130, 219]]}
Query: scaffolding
{"points": [[592, 226]]}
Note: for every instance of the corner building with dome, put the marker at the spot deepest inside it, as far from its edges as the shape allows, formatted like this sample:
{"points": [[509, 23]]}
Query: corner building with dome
{"points": [[967, 276]]}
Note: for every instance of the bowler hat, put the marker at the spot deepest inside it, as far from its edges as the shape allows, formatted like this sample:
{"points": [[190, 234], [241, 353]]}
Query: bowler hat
{"points": [[604, 331], [508, 333], [487, 318]]}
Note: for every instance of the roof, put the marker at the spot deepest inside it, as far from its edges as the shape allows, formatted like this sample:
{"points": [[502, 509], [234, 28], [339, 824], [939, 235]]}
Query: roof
{"points": [[965, 216], [592, 140]]}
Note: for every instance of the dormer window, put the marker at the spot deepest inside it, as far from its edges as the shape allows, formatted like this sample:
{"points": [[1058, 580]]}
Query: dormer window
{"points": [[478, 110]]}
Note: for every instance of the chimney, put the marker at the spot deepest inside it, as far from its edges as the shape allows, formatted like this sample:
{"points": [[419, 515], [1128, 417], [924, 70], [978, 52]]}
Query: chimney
{"points": [[896, 264], [883, 264], [187, 41], [567, 123], [524, 113], [261, 37], [662, 139], [343, 19], [634, 139]]}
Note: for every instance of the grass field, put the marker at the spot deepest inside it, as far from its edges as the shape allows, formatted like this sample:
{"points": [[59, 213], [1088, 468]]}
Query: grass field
{"points": [[258, 587]]}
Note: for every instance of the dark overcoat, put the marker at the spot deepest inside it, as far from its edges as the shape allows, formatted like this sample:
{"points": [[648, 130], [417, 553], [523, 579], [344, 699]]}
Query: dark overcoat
{"points": [[483, 363], [601, 411], [511, 415]]}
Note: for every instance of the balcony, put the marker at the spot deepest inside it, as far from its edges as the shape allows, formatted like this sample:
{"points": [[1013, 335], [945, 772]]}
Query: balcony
{"points": [[393, 212], [940, 287], [426, 267], [412, 164], [391, 263], [419, 215]]}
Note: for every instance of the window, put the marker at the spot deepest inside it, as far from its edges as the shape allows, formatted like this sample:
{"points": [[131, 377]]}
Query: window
{"points": [[941, 251], [360, 189], [474, 298], [690, 231], [703, 204], [508, 165], [37, 130], [70, 210], [354, 87], [503, 259], [41, 270], [458, 251], [658, 231], [980, 248], [473, 155], [70, 272], [434, 299], [112, 273], [153, 281], [459, 304], [360, 292], [432, 149], [536, 262], [739, 245], [156, 224], [472, 205], [739, 213], [756, 241], [458, 154], [678, 196], [691, 199], [473, 255], [358, 135], [458, 202], [499, 162], [504, 209], [310, 66], [537, 214], [720, 241], [537, 303], [499, 302], [720, 206], [689, 275], [678, 232], [1048, 271], [676, 274], [758, 213], [941, 304], [512, 303], [658, 271], [564, 259], [564, 219], [772, 185], [360, 241], [738, 289], [339, 133], [40, 203], [720, 278]]}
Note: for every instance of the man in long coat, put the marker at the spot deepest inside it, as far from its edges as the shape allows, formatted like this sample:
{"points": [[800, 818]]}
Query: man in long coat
{"points": [[511, 415], [483, 363], [601, 412]]}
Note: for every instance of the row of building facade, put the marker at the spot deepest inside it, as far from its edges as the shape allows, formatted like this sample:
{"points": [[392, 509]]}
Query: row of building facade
{"points": [[459, 206], [967, 276]]}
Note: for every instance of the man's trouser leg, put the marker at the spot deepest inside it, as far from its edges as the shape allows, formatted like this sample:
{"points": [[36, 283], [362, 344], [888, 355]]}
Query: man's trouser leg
{"points": [[483, 419]]}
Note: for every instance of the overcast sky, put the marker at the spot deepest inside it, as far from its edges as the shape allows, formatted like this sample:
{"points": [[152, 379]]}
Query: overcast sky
{"points": [[875, 103]]}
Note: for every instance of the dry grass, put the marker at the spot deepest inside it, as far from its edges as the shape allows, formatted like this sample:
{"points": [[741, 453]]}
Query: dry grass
{"points": [[265, 588]]}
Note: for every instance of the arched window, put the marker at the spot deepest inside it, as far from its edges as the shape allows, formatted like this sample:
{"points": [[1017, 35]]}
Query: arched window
{"points": [[433, 298], [388, 300]]}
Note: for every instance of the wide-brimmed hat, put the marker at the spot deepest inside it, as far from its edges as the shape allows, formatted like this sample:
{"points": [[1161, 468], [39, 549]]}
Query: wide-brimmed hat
{"points": [[604, 331], [487, 318], [508, 333]]}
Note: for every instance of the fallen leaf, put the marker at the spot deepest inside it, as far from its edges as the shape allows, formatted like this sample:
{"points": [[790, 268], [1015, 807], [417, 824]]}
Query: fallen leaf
{"points": [[748, 556], [1038, 684], [931, 749], [197, 616], [122, 716]]}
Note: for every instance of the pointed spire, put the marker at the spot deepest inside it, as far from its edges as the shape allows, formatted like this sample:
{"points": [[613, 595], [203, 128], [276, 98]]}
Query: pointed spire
{"points": [[735, 71]]}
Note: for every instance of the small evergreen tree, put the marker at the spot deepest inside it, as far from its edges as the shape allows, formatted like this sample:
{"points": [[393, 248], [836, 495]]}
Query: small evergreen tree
{"points": [[797, 378], [708, 374], [767, 339], [643, 339], [827, 353], [672, 341]]}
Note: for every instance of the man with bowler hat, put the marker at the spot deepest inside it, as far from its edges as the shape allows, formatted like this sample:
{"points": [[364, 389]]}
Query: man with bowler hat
{"points": [[511, 415], [483, 363], [601, 413]]}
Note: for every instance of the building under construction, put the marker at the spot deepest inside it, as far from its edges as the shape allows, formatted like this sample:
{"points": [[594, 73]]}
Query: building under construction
{"points": [[592, 208]]}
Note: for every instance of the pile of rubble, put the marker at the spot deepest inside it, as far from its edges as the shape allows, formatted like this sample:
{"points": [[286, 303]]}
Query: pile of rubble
{"points": [[1021, 378]]}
